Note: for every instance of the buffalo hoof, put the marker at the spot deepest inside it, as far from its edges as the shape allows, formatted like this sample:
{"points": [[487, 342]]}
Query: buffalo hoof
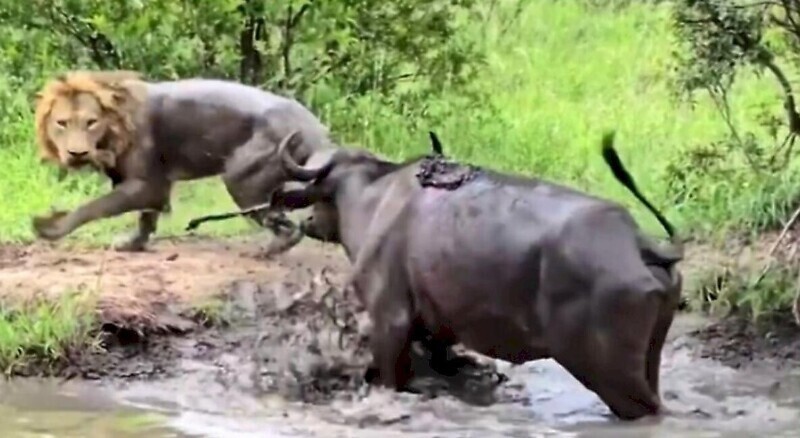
{"points": [[453, 366], [371, 375], [426, 387]]}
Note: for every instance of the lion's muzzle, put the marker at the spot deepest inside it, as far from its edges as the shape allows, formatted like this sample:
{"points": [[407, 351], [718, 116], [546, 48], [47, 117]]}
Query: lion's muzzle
{"points": [[77, 159]]}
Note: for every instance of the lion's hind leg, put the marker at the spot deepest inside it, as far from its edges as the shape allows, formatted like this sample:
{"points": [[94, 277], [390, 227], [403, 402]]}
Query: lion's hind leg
{"points": [[251, 176]]}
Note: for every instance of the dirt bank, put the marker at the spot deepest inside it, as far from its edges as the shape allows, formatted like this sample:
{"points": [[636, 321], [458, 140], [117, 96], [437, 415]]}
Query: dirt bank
{"points": [[720, 272], [287, 315]]}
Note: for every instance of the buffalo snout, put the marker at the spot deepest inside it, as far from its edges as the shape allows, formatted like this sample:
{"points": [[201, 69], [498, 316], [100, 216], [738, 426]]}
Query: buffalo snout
{"points": [[319, 230]]}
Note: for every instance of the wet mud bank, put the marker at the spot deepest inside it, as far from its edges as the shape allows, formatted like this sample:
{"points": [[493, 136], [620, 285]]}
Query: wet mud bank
{"points": [[282, 352], [297, 336], [737, 342]]}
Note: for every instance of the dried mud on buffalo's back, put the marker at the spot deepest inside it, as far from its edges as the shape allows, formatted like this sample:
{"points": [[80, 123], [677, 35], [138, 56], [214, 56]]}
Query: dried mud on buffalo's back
{"points": [[441, 173]]}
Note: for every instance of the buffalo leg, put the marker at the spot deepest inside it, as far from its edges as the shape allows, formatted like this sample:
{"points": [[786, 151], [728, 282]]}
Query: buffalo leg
{"points": [[666, 315], [391, 348], [383, 289], [611, 358], [440, 354], [621, 374]]}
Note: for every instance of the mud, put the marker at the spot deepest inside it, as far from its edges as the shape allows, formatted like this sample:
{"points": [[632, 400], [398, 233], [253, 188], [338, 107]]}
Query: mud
{"points": [[737, 342], [440, 172], [300, 337], [287, 316], [286, 357]]}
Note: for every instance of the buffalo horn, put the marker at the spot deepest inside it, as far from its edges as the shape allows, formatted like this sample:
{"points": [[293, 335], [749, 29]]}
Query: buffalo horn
{"points": [[295, 170]]}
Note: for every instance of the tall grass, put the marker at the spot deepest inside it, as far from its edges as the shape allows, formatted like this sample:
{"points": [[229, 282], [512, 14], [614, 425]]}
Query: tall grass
{"points": [[43, 330]]}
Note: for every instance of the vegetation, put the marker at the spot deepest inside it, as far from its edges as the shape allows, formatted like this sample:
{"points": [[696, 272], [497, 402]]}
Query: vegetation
{"points": [[518, 85], [44, 330], [725, 40]]}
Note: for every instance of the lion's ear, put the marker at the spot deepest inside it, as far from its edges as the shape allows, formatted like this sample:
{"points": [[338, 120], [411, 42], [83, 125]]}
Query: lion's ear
{"points": [[118, 96]]}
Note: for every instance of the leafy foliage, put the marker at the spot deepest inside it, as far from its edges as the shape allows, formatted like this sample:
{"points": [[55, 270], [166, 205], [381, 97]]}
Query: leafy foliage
{"points": [[720, 37], [720, 41], [294, 46]]}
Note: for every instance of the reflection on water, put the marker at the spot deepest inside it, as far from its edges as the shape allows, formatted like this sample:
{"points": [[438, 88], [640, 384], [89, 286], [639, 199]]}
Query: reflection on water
{"points": [[705, 398], [49, 408]]}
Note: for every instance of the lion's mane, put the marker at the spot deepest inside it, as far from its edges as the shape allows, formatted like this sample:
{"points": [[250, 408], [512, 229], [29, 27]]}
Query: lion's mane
{"points": [[120, 93]]}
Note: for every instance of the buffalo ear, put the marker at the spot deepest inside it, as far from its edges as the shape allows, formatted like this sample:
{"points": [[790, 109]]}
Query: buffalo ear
{"points": [[292, 199]]}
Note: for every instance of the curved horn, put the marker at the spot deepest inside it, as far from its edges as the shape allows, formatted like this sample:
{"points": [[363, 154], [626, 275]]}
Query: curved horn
{"points": [[295, 170]]}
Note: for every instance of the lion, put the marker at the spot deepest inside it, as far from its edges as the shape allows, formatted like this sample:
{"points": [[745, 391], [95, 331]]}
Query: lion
{"points": [[144, 136]]}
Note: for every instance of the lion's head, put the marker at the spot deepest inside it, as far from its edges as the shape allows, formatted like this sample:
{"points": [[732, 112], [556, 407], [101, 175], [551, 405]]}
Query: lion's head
{"points": [[89, 117]]}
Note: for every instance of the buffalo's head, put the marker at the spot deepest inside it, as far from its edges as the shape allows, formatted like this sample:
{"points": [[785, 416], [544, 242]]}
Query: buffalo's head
{"points": [[345, 171]]}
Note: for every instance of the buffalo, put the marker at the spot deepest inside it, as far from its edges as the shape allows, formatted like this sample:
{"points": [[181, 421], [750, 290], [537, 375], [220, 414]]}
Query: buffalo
{"points": [[512, 267]]}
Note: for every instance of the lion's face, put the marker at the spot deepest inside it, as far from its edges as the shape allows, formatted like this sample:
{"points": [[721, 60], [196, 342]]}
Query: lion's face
{"points": [[89, 117], [76, 127]]}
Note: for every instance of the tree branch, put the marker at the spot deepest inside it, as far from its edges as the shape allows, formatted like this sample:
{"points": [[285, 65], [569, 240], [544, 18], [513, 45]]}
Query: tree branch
{"points": [[789, 104], [102, 50], [290, 23], [250, 58], [790, 23]]}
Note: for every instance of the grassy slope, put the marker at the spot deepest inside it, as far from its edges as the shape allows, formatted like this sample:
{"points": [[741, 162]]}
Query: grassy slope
{"points": [[559, 75]]}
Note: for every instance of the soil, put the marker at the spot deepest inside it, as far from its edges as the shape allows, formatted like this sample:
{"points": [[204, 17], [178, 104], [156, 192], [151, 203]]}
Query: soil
{"points": [[737, 342], [286, 317]]}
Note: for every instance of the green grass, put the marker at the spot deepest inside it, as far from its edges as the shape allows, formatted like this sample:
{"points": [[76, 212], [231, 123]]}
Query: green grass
{"points": [[43, 330], [559, 76]]}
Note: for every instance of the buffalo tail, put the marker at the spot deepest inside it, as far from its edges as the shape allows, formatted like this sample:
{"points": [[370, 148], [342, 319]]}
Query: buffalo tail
{"points": [[621, 174]]}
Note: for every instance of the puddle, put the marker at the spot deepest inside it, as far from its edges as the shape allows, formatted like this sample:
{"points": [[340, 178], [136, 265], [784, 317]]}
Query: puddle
{"points": [[707, 399], [49, 408]]}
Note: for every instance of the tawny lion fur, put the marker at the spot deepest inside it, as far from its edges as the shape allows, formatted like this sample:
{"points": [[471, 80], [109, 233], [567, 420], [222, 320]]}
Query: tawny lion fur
{"points": [[147, 135], [120, 93]]}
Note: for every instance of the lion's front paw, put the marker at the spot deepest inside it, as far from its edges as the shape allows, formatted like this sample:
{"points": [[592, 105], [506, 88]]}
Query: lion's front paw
{"points": [[129, 243], [50, 227]]}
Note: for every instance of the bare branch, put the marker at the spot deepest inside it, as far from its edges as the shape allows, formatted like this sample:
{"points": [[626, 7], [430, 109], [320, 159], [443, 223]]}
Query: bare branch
{"points": [[757, 4], [781, 236], [720, 98], [791, 22]]}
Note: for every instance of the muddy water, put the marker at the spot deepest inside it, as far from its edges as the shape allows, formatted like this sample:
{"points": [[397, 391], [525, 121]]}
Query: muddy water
{"points": [[214, 399]]}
